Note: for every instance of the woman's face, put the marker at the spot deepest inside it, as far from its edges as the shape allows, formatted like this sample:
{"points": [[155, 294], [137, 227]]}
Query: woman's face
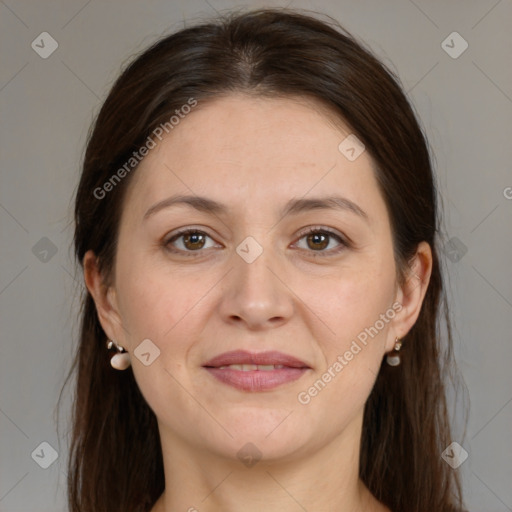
{"points": [[251, 278]]}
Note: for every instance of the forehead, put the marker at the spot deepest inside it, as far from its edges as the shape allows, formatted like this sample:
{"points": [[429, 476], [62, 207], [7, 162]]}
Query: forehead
{"points": [[263, 150]]}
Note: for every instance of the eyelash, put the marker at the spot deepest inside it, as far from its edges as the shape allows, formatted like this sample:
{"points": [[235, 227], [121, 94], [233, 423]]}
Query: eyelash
{"points": [[312, 230]]}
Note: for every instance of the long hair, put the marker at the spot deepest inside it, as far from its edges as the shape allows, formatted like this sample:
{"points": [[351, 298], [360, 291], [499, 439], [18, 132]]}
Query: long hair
{"points": [[115, 461]]}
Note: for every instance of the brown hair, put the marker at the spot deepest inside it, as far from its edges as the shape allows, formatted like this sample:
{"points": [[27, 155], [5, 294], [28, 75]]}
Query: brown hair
{"points": [[115, 460]]}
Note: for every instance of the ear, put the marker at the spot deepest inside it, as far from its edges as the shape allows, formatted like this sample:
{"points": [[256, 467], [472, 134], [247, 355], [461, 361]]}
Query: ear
{"points": [[104, 298], [411, 294]]}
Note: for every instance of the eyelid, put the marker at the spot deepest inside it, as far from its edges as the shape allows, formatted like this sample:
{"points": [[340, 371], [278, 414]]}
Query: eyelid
{"points": [[324, 229]]}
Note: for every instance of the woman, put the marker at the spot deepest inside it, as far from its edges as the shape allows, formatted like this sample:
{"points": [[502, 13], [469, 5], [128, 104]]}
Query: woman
{"points": [[256, 220]]}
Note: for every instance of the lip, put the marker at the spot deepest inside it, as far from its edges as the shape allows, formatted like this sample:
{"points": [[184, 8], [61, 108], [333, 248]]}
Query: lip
{"points": [[246, 357], [256, 380]]}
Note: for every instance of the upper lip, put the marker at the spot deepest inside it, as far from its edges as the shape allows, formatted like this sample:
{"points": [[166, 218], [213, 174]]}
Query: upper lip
{"points": [[261, 358]]}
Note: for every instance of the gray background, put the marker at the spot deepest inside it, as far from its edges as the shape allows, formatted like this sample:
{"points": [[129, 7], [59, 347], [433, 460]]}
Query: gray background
{"points": [[47, 105]]}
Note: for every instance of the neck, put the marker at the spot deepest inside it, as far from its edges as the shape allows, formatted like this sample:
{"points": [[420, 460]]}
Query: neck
{"points": [[324, 479]]}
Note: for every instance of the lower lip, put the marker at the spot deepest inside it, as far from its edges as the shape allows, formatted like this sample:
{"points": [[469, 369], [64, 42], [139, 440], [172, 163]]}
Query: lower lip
{"points": [[257, 380]]}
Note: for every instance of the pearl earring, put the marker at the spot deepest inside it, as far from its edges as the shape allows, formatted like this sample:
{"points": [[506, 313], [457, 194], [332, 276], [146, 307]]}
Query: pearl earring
{"points": [[393, 358], [120, 360]]}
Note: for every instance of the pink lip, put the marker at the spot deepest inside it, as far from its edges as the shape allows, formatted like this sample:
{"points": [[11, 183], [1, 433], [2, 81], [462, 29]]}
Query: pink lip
{"points": [[245, 357], [256, 380]]}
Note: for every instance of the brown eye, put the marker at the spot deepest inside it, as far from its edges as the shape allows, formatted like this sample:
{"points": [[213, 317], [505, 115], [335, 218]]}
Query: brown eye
{"points": [[318, 239], [189, 240], [193, 241]]}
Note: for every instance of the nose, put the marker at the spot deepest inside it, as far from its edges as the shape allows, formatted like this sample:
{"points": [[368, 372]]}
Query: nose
{"points": [[255, 294]]}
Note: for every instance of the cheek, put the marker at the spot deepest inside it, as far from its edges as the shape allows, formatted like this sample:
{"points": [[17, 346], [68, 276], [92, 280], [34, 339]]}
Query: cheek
{"points": [[154, 302], [354, 300], [359, 312]]}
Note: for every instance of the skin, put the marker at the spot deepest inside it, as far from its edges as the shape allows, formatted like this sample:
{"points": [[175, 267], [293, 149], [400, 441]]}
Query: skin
{"points": [[254, 155]]}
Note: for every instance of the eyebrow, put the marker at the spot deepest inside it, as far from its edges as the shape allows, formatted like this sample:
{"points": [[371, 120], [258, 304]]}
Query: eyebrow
{"points": [[292, 207]]}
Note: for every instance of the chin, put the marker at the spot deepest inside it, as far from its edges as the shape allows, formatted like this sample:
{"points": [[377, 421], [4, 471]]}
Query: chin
{"points": [[272, 435]]}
